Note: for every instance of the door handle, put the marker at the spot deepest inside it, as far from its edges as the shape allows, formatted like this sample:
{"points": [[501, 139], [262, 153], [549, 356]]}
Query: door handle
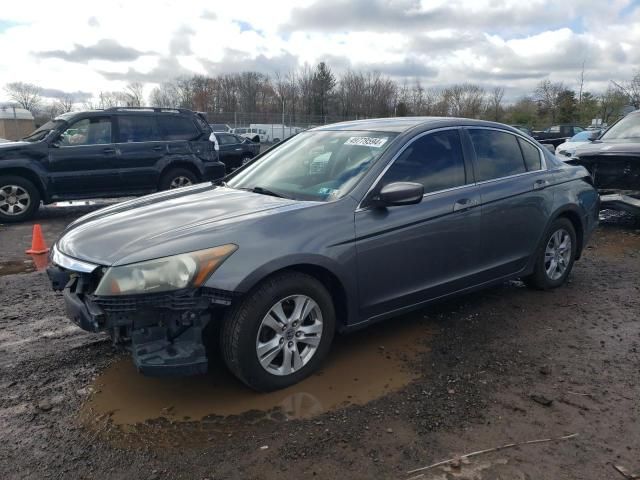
{"points": [[464, 204], [158, 148], [541, 183], [109, 150], [238, 149]]}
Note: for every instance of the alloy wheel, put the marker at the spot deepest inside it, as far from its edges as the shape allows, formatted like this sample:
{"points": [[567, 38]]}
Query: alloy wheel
{"points": [[289, 335], [179, 182], [14, 200], [557, 255]]}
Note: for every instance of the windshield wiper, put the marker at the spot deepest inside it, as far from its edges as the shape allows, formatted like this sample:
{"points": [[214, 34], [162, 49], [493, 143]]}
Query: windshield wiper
{"points": [[266, 191]]}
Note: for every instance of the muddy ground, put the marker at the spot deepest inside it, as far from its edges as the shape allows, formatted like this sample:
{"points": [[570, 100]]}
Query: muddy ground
{"points": [[505, 365]]}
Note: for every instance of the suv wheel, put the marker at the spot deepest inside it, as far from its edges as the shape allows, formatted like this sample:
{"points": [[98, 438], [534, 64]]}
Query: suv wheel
{"points": [[177, 178], [555, 257], [279, 333], [19, 199]]}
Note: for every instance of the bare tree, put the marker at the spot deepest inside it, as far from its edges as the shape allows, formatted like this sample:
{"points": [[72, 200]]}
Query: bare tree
{"points": [[494, 105], [66, 102], [27, 95], [305, 87], [465, 100], [112, 99], [134, 93], [547, 93], [611, 103], [165, 95], [631, 89]]}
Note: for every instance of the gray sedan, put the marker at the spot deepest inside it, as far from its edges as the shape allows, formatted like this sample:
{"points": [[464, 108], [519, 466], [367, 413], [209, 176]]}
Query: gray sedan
{"points": [[334, 229]]}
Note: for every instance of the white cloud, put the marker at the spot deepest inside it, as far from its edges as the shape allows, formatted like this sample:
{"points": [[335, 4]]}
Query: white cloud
{"points": [[97, 45]]}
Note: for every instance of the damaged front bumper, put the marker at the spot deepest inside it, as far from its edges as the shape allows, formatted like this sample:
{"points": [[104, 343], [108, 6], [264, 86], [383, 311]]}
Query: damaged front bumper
{"points": [[624, 201], [164, 331]]}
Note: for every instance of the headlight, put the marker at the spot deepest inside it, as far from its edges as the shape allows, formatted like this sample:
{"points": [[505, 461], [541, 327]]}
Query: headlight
{"points": [[164, 274]]}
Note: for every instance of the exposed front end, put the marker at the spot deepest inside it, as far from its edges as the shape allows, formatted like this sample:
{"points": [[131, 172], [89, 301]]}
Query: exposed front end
{"points": [[163, 328]]}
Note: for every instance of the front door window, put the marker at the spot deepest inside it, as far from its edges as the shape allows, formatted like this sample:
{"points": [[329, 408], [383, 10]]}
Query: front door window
{"points": [[88, 131]]}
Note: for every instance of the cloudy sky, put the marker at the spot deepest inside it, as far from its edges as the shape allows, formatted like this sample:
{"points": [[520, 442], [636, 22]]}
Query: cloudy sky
{"points": [[88, 46]]}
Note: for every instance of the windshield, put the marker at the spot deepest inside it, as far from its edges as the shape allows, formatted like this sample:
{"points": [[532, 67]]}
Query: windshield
{"points": [[626, 129], [320, 166], [43, 131], [582, 136]]}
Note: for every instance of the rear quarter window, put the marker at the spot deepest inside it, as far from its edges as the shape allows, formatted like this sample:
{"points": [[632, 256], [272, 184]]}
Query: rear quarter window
{"points": [[531, 155], [174, 127]]}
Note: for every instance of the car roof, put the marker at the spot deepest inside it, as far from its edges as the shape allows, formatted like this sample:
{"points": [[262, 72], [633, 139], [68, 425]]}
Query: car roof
{"points": [[127, 111], [402, 124]]}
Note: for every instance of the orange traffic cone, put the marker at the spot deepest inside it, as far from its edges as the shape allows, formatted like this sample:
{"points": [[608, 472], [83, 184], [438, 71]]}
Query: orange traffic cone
{"points": [[38, 245]]}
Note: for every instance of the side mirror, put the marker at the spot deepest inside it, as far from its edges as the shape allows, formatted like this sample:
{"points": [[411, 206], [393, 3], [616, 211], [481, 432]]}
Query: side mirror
{"points": [[549, 147], [594, 135], [399, 193], [213, 138]]}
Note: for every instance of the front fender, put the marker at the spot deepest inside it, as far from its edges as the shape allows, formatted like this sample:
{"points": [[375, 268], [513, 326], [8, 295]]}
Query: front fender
{"points": [[343, 273], [254, 277]]}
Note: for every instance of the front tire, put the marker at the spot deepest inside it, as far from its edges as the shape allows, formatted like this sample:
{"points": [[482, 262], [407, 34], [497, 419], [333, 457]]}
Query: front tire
{"points": [[279, 333], [555, 257], [19, 199]]}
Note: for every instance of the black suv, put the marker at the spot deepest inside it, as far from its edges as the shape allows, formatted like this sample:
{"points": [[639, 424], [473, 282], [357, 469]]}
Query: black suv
{"points": [[105, 153]]}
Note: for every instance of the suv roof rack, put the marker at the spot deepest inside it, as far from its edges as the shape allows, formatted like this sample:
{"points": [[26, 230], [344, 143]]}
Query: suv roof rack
{"points": [[148, 109]]}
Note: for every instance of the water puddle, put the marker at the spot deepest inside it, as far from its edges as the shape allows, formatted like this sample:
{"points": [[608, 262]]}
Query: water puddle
{"points": [[361, 367], [14, 267], [36, 263]]}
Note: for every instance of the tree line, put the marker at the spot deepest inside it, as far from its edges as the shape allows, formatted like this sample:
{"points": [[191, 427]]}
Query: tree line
{"points": [[318, 92]]}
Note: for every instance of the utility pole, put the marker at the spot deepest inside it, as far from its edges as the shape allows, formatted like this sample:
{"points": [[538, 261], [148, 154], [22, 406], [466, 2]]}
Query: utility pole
{"points": [[282, 97], [15, 122]]}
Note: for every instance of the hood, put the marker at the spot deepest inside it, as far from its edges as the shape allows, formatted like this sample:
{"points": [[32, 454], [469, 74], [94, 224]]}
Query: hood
{"points": [[610, 147], [6, 149], [168, 223]]}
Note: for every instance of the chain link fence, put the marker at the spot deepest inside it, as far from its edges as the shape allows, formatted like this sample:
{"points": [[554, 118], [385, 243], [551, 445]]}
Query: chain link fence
{"points": [[276, 125]]}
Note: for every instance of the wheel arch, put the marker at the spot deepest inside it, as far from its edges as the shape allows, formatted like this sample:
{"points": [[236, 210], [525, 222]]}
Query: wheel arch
{"points": [[181, 164], [30, 175], [572, 214], [321, 272]]}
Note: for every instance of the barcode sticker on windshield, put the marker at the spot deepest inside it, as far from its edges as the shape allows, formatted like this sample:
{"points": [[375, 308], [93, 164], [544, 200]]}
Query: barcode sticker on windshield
{"points": [[366, 141]]}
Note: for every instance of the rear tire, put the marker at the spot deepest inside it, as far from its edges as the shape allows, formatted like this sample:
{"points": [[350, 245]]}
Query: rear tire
{"points": [[555, 256], [19, 199], [176, 178], [263, 330], [245, 159]]}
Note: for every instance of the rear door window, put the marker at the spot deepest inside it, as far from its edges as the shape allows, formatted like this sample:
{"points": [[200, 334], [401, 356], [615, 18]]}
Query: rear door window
{"points": [[434, 160], [497, 154], [175, 127], [137, 128]]}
